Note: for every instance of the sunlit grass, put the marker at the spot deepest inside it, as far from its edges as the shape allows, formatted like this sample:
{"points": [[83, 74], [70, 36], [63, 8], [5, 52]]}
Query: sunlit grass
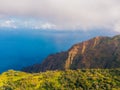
{"points": [[84, 79]]}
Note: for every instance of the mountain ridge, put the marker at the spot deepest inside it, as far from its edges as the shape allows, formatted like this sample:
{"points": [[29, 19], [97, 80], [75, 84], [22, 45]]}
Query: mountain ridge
{"points": [[98, 52]]}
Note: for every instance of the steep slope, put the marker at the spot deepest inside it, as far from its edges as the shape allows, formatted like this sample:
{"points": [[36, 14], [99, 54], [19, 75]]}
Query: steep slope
{"points": [[98, 52]]}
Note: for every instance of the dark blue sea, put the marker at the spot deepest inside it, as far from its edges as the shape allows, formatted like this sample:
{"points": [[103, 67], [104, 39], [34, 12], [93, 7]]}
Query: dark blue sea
{"points": [[21, 48]]}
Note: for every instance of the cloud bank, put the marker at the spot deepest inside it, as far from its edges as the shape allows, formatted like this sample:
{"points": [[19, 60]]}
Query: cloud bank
{"points": [[66, 14]]}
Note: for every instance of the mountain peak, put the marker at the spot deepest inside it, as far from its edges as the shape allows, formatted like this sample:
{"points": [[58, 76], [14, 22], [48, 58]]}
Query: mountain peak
{"points": [[98, 52], [117, 37]]}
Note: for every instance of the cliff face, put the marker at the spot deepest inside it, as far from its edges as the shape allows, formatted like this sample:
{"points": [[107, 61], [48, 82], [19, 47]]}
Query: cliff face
{"points": [[99, 52]]}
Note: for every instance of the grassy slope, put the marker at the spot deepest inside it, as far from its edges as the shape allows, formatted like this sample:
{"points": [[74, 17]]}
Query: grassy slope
{"points": [[85, 79]]}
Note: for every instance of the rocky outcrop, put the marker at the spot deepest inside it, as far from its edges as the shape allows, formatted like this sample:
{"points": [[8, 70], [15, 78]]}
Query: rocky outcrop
{"points": [[98, 52]]}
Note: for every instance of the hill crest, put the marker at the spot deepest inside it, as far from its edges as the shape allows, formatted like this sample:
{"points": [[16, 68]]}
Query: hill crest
{"points": [[98, 52]]}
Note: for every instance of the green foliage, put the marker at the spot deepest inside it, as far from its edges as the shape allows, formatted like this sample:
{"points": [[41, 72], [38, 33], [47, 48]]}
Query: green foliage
{"points": [[84, 79]]}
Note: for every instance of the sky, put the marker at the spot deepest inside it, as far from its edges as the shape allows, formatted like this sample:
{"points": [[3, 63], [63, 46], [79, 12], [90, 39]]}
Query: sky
{"points": [[71, 15]]}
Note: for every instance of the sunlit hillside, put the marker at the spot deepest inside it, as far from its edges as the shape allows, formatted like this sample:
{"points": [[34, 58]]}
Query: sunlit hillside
{"points": [[85, 79]]}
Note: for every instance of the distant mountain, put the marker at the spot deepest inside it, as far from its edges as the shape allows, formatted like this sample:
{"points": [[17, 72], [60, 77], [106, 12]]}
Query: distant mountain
{"points": [[98, 52]]}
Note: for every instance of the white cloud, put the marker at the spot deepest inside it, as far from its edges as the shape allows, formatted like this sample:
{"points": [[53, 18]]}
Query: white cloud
{"points": [[67, 14], [47, 26], [33, 24], [117, 27], [8, 24], [36, 24], [44, 26]]}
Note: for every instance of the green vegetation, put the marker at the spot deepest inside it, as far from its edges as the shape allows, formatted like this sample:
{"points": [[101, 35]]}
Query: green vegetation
{"points": [[84, 79]]}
